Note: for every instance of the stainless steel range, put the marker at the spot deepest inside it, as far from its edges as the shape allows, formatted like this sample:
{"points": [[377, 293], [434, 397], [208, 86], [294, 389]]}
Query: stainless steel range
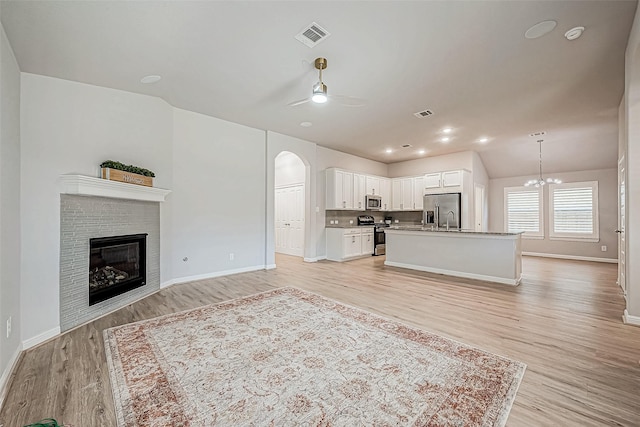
{"points": [[379, 247]]}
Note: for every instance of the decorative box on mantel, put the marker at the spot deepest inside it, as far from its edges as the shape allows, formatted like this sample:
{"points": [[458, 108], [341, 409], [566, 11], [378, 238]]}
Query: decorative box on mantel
{"points": [[89, 186], [128, 177]]}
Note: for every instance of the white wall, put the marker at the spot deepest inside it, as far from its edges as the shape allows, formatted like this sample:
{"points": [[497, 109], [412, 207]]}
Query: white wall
{"points": [[461, 160], [218, 198], [607, 201], [69, 127], [632, 132], [9, 207]]}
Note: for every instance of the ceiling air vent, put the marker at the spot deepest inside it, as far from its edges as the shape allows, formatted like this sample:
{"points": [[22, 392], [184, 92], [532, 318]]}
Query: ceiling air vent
{"points": [[423, 113], [536, 134], [312, 34]]}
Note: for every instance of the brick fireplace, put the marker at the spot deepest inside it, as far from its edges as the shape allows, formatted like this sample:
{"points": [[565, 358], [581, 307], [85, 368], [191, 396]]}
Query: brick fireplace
{"points": [[117, 227]]}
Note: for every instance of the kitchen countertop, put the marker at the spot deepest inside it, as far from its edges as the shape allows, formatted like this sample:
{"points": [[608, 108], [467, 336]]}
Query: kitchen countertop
{"points": [[443, 230], [348, 226]]}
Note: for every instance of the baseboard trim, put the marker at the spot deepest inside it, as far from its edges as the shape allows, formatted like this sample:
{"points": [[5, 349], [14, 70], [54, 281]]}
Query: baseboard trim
{"points": [[315, 259], [212, 275], [270, 267], [630, 320], [502, 280], [40, 338], [572, 257], [6, 375]]}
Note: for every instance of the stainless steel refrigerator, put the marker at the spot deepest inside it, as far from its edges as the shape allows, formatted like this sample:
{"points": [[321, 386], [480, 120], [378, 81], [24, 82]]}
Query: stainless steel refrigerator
{"points": [[442, 208]]}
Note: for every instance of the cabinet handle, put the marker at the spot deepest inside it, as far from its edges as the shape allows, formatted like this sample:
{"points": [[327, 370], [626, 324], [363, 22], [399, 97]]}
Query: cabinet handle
{"points": [[344, 204], [374, 191], [359, 204], [353, 239], [401, 205]]}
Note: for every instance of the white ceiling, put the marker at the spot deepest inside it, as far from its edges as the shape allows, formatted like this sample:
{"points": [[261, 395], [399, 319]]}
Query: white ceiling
{"points": [[468, 61]]}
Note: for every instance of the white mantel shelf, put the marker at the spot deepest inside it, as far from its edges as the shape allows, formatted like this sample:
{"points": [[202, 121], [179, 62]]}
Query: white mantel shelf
{"points": [[83, 185]]}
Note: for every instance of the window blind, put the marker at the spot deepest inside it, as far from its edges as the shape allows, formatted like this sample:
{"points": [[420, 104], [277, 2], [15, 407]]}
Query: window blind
{"points": [[573, 211], [523, 211]]}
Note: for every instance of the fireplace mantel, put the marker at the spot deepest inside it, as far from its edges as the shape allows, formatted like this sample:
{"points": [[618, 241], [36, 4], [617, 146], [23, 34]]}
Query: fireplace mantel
{"points": [[83, 185]]}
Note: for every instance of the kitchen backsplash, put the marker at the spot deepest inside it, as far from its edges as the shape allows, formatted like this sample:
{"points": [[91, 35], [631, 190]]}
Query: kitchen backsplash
{"points": [[343, 217]]}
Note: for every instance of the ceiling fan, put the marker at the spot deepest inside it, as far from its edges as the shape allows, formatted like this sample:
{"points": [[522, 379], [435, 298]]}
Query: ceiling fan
{"points": [[319, 93]]}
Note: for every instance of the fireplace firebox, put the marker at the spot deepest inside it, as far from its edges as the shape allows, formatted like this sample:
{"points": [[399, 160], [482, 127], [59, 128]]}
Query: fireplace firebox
{"points": [[117, 265]]}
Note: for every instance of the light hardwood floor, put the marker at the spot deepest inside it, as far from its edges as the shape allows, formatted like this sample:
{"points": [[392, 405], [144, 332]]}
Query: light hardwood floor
{"points": [[564, 322]]}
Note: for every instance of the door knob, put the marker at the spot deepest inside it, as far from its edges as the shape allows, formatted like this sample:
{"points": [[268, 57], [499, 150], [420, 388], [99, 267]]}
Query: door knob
{"points": [[618, 231]]}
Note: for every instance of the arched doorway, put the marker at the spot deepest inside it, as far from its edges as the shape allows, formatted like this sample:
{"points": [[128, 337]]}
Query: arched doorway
{"points": [[289, 204]]}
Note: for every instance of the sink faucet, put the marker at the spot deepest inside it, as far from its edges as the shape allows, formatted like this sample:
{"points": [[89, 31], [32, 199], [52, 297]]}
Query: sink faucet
{"points": [[453, 217]]}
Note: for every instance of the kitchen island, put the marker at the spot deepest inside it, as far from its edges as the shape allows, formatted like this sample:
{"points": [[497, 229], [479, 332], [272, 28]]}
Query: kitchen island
{"points": [[494, 257]]}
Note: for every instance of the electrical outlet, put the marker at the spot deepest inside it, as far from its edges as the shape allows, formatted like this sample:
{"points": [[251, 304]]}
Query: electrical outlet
{"points": [[350, 221], [9, 327], [336, 222], [603, 248], [231, 256]]}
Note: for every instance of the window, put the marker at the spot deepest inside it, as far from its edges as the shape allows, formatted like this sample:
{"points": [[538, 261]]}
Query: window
{"points": [[573, 211], [523, 211]]}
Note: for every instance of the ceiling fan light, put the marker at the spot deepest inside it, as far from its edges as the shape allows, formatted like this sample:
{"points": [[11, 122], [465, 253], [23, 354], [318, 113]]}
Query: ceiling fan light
{"points": [[319, 93]]}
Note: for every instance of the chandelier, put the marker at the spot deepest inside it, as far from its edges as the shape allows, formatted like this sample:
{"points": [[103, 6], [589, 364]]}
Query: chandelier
{"points": [[540, 181]]}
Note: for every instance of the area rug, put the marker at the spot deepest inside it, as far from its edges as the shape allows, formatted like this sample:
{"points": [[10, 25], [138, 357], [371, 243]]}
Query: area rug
{"points": [[291, 358]]}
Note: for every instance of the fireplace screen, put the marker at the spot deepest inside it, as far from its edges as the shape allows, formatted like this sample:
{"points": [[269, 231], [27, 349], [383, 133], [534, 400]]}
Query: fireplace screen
{"points": [[116, 265]]}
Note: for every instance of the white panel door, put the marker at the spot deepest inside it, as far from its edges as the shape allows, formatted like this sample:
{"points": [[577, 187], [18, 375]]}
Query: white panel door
{"points": [[622, 281], [289, 216]]}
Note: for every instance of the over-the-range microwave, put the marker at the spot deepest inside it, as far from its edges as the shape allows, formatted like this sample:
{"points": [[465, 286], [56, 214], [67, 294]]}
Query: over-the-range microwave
{"points": [[373, 202]]}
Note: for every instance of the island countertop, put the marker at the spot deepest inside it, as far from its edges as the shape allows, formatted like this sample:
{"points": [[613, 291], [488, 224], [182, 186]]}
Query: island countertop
{"points": [[427, 229]]}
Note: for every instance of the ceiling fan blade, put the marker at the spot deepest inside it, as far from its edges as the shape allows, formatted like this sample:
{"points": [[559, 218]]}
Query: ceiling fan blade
{"points": [[299, 102], [348, 101]]}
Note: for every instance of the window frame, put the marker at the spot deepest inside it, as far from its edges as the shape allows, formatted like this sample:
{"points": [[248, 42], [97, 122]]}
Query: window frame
{"points": [[595, 208], [525, 235]]}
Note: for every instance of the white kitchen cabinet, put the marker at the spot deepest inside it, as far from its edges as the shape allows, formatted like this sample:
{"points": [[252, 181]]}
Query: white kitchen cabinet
{"points": [[367, 242], [373, 185], [452, 178], [359, 191], [339, 189], [447, 182], [418, 192], [407, 193], [385, 193], [347, 243], [432, 180]]}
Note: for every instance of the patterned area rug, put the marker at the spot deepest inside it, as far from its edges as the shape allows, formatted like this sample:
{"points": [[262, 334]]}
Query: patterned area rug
{"points": [[288, 358]]}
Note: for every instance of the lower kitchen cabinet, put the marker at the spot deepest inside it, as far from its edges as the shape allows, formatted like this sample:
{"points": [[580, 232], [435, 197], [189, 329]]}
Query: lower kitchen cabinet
{"points": [[348, 243]]}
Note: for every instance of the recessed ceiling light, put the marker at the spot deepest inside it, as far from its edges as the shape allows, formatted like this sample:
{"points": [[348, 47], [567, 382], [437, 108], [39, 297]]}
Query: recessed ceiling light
{"points": [[447, 130], [388, 151], [540, 29], [445, 139], [306, 124], [421, 151], [483, 139], [574, 33], [150, 79]]}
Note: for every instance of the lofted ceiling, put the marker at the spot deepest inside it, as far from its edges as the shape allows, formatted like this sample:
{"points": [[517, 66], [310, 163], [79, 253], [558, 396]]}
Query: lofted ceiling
{"points": [[467, 61]]}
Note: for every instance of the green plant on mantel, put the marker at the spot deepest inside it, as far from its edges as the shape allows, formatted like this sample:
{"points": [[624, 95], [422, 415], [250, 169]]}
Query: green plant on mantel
{"points": [[127, 168]]}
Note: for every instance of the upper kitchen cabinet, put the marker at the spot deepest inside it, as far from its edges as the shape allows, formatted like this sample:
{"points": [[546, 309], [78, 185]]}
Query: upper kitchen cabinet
{"points": [[406, 193], [385, 193], [359, 191], [373, 185], [447, 182], [339, 189]]}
